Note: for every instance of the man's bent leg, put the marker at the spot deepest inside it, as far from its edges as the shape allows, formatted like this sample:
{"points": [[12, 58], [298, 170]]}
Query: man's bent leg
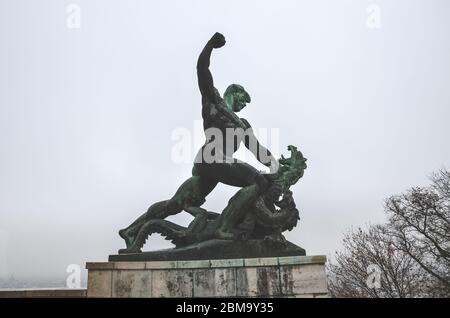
{"points": [[155, 211], [238, 174], [191, 193]]}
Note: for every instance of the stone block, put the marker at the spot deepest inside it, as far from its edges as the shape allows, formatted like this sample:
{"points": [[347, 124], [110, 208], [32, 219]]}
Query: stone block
{"points": [[258, 281], [99, 265], [303, 279], [99, 283], [215, 282], [261, 261], [235, 262], [172, 283], [296, 260], [161, 265], [129, 265], [132, 283], [194, 264]]}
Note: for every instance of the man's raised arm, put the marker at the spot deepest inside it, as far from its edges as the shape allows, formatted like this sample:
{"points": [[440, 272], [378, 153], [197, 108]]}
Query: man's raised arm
{"points": [[205, 79]]}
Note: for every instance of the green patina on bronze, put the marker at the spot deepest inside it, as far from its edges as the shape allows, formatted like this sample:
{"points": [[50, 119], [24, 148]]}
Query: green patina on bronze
{"points": [[258, 213]]}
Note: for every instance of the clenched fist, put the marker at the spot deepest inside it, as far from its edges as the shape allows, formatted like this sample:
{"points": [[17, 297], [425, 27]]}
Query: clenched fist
{"points": [[217, 40]]}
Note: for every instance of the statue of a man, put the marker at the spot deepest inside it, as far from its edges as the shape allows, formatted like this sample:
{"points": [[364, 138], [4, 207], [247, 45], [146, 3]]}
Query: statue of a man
{"points": [[214, 163]]}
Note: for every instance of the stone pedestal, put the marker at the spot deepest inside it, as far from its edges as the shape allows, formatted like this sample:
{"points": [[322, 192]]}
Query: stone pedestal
{"points": [[292, 276]]}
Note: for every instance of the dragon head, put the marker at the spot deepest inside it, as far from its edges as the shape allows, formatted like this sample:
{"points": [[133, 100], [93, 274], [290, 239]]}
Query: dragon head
{"points": [[279, 196], [291, 169]]}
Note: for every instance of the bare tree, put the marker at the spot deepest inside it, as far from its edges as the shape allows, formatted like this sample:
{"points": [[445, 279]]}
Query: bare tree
{"points": [[419, 221], [370, 266], [410, 254]]}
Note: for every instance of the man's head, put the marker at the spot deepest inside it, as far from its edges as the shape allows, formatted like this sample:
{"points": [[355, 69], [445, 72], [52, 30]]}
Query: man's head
{"points": [[236, 97]]}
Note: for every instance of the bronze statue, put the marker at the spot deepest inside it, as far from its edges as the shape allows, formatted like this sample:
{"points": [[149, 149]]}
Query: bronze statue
{"points": [[251, 213]]}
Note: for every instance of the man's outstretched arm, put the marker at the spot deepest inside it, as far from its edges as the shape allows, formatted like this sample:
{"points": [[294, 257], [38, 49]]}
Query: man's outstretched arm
{"points": [[205, 79], [262, 154]]}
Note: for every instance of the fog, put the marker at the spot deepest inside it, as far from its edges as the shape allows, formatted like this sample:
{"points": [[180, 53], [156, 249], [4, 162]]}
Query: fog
{"points": [[87, 114]]}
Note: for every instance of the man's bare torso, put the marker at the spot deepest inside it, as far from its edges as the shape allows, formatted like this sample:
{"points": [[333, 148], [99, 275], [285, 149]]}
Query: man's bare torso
{"points": [[215, 118]]}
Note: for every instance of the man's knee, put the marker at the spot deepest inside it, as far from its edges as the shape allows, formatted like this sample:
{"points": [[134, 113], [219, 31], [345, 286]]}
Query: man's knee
{"points": [[161, 210], [174, 206]]}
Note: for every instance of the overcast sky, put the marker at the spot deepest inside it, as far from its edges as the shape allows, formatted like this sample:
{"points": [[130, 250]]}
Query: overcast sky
{"points": [[87, 115]]}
